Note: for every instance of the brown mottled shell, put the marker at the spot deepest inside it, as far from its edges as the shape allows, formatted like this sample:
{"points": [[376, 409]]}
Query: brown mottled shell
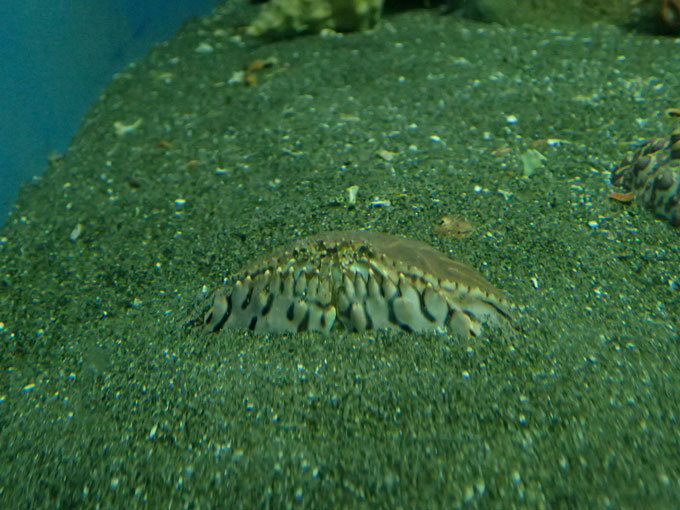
{"points": [[358, 281], [653, 172]]}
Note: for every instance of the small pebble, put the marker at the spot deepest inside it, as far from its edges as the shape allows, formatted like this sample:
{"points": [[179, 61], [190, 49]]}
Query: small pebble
{"points": [[75, 233], [204, 48]]}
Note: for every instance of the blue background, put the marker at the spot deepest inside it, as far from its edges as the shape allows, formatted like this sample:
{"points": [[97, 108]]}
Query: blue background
{"points": [[56, 56]]}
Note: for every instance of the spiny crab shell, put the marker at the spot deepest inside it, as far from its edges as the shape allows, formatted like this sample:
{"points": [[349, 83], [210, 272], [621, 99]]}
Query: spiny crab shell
{"points": [[358, 281], [653, 173]]}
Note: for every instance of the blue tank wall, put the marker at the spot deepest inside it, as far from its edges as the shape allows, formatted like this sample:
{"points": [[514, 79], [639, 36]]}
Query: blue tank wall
{"points": [[55, 58]]}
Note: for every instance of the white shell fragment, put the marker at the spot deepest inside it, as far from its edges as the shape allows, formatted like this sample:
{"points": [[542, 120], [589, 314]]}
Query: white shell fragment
{"points": [[352, 193], [122, 129], [75, 233], [358, 281]]}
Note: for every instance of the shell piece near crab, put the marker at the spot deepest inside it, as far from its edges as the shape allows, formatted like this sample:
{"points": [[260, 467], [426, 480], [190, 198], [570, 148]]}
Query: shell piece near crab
{"points": [[358, 281]]}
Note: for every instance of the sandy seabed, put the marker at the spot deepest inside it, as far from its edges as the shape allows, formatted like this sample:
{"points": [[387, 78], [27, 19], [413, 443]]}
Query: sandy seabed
{"points": [[182, 173]]}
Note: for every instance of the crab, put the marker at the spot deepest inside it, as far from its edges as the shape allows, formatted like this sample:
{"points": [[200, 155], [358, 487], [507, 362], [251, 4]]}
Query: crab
{"points": [[652, 174]]}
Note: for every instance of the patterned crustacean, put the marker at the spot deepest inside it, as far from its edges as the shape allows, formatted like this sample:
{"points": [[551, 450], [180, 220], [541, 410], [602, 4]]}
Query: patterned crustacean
{"points": [[653, 173], [357, 281]]}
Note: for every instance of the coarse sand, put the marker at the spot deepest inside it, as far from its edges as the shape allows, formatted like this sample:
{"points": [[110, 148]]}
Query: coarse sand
{"points": [[110, 397]]}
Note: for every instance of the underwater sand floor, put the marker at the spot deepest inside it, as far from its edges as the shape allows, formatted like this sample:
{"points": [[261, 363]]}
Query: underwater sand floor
{"points": [[108, 395]]}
